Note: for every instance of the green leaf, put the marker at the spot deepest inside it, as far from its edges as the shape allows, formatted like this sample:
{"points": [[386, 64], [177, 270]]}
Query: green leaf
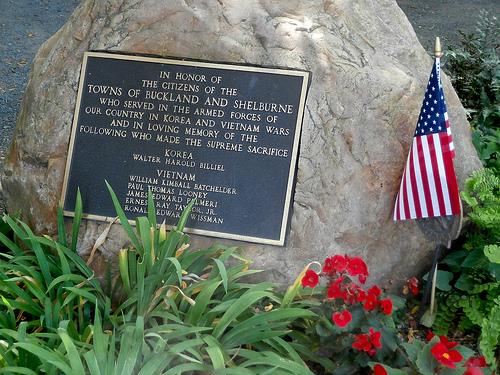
{"points": [[428, 318], [215, 352], [61, 229], [443, 279], [465, 282], [413, 349], [425, 360], [223, 272], [123, 219], [17, 370], [40, 255], [476, 259], [71, 352], [151, 209], [178, 268], [185, 215], [492, 252], [202, 301], [77, 219], [241, 304]]}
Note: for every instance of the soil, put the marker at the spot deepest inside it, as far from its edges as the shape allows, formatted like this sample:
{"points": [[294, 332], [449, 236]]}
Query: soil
{"points": [[26, 24]]}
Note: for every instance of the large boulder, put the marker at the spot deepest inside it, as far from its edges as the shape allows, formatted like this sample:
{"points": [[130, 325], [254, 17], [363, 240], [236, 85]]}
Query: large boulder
{"points": [[368, 76]]}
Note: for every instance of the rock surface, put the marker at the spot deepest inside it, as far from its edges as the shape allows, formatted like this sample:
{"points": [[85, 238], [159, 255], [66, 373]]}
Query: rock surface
{"points": [[368, 76]]}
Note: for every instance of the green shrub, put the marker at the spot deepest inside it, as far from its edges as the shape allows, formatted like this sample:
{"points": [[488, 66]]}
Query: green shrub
{"points": [[472, 304], [181, 310], [474, 68]]}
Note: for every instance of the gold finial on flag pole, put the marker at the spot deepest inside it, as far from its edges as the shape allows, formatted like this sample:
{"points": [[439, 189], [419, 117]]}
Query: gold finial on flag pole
{"points": [[437, 48]]}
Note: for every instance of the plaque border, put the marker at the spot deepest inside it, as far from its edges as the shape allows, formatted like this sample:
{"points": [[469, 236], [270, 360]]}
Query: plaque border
{"points": [[195, 63]]}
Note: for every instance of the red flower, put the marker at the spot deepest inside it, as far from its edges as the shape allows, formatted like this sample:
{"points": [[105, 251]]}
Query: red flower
{"points": [[473, 371], [386, 306], [445, 356], [341, 319], [476, 362], [337, 263], [310, 279], [367, 342], [357, 267], [360, 295], [375, 290], [412, 285], [375, 337], [370, 302], [355, 294], [429, 336], [336, 290], [448, 344], [362, 342], [378, 369]]}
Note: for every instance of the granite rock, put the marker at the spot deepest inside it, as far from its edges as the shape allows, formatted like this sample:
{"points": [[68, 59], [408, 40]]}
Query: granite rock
{"points": [[368, 75]]}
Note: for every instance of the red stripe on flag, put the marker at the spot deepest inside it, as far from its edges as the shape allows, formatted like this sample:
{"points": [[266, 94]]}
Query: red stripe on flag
{"points": [[435, 171], [451, 179], [423, 174]]}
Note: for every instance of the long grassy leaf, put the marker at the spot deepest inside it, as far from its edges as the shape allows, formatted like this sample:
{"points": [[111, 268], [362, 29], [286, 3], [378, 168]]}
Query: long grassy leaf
{"points": [[273, 360], [17, 370], [243, 303], [151, 209], [155, 364], [71, 353], [123, 219], [10, 245], [202, 300], [40, 255], [178, 268], [64, 278], [143, 226], [61, 229], [187, 368], [123, 267], [185, 215], [130, 347], [15, 228], [287, 348], [222, 272], [215, 352], [45, 355], [77, 219]]}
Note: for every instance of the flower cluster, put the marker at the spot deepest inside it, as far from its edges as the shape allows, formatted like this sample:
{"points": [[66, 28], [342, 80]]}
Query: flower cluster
{"points": [[368, 342], [346, 277], [444, 352], [341, 271]]}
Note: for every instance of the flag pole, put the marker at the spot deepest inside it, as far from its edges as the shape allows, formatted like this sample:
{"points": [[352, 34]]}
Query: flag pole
{"points": [[437, 48], [437, 54]]}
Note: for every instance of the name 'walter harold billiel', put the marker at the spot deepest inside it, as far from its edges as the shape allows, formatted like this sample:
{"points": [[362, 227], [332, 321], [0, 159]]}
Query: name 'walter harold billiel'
{"points": [[226, 135]]}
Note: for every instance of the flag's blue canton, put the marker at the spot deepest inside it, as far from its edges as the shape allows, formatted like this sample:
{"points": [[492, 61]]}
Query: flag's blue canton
{"points": [[432, 113]]}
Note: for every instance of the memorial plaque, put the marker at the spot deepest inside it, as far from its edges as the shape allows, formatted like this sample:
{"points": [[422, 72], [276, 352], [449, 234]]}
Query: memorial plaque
{"points": [[227, 135]]}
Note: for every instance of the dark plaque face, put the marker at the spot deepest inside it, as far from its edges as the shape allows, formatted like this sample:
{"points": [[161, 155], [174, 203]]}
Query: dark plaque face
{"points": [[224, 134]]}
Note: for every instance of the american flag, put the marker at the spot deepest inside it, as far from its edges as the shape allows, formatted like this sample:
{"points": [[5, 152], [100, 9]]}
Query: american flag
{"points": [[429, 185]]}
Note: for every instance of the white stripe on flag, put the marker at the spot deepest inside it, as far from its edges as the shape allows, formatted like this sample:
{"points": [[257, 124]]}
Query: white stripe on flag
{"points": [[430, 176], [442, 173], [401, 199], [448, 131], [418, 179], [409, 191]]}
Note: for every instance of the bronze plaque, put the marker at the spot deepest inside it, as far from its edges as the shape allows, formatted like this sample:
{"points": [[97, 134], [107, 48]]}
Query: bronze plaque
{"points": [[225, 134]]}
